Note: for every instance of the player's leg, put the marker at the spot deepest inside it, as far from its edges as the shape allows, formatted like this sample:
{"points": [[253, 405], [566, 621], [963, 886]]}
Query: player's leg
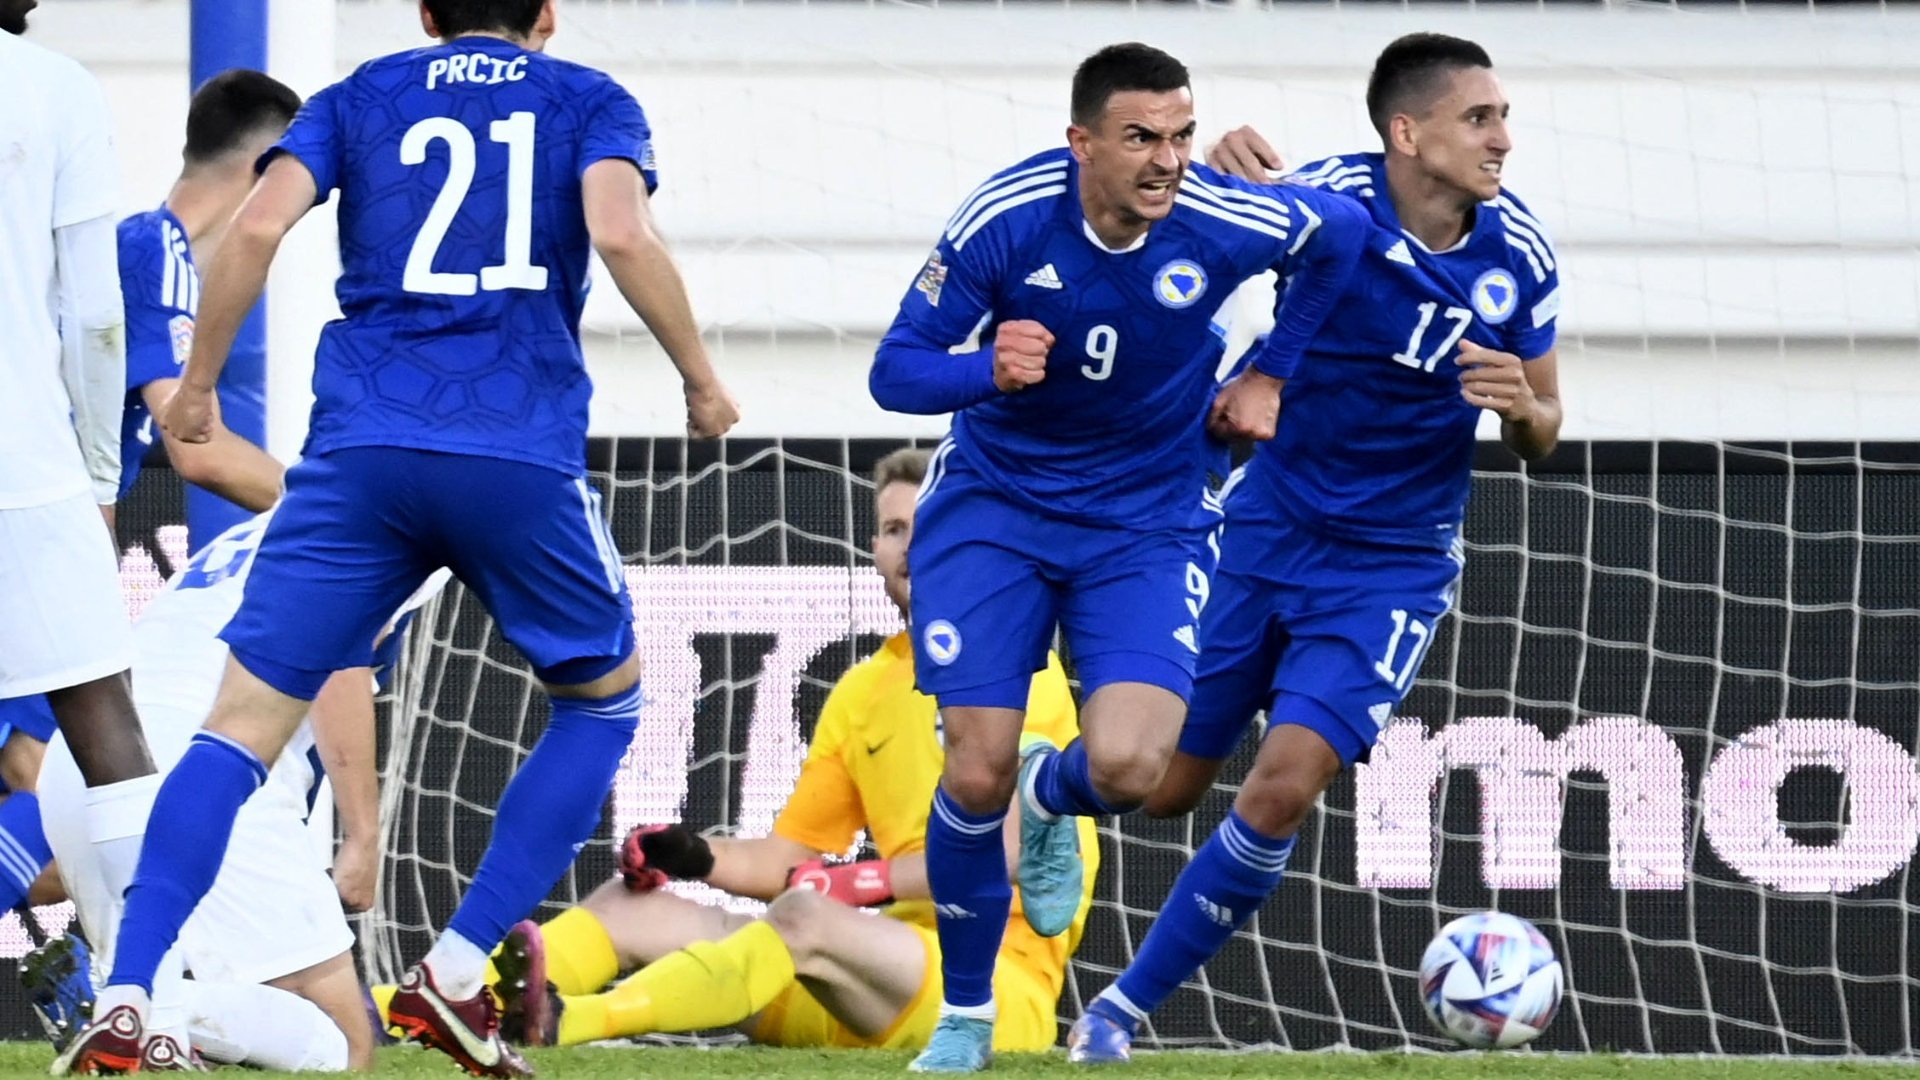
{"points": [[983, 613], [27, 724], [333, 986], [263, 1027], [1332, 694], [332, 565], [537, 553]]}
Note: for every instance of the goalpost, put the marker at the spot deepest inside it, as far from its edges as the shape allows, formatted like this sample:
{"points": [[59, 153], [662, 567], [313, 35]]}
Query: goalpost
{"points": [[1674, 718]]}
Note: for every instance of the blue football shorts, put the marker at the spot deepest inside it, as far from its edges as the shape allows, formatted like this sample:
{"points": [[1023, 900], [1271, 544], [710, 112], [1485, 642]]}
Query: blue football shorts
{"points": [[360, 529], [992, 579], [1324, 633]]}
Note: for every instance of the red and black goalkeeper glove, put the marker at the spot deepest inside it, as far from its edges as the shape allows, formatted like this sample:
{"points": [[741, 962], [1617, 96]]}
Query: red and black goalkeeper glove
{"points": [[652, 855], [867, 883]]}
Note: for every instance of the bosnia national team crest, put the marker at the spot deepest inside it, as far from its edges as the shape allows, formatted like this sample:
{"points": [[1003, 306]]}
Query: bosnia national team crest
{"points": [[933, 278], [180, 333], [1179, 283], [1494, 296], [942, 640]]}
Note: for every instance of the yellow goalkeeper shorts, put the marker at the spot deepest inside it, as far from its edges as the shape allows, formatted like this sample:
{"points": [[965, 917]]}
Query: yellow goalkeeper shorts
{"points": [[1026, 1000]]}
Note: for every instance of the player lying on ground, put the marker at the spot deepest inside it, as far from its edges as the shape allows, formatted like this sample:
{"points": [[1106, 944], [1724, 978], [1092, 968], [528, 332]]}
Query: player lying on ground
{"points": [[272, 926], [63, 622], [1343, 546], [448, 430], [1074, 475], [812, 971], [233, 118]]}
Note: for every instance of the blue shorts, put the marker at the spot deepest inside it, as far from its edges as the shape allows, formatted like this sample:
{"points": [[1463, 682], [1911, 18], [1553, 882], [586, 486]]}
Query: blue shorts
{"points": [[992, 579], [30, 715], [1327, 634], [359, 530]]}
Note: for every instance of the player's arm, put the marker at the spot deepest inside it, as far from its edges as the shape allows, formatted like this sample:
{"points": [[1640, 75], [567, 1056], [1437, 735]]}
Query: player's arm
{"points": [[1315, 262], [93, 358], [1525, 394], [620, 222], [226, 464], [343, 733], [233, 283], [928, 363]]}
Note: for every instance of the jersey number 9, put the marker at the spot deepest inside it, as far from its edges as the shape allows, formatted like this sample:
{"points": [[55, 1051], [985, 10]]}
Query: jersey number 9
{"points": [[517, 270], [1102, 342]]}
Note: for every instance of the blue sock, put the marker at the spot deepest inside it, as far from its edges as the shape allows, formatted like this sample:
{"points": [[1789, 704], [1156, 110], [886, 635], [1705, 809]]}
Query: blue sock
{"points": [[178, 861], [1062, 786], [23, 847], [967, 874], [1228, 879], [549, 809]]}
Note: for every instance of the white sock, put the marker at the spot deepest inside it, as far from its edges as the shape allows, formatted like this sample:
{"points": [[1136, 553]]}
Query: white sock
{"points": [[112, 997], [459, 966], [264, 1027], [985, 1012], [116, 825], [169, 1011]]}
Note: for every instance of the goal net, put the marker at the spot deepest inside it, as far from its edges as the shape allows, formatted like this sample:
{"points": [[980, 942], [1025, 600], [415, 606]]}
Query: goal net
{"points": [[1673, 718]]}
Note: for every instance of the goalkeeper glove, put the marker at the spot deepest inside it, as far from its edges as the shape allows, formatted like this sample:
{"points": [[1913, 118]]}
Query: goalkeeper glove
{"points": [[655, 854], [867, 883]]}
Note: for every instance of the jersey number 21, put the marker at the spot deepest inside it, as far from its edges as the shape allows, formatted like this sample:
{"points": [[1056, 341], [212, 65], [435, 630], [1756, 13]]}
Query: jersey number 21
{"points": [[516, 271]]}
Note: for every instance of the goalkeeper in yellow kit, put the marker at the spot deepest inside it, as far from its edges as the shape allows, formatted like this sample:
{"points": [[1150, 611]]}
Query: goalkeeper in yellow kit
{"points": [[814, 970]]}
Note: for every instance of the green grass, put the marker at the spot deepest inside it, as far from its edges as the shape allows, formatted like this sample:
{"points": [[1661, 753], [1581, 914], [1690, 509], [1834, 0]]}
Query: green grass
{"points": [[635, 1063]]}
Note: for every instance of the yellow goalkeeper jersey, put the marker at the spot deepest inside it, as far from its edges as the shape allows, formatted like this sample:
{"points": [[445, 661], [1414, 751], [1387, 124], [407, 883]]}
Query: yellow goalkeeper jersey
{"points": [[875, 758]]}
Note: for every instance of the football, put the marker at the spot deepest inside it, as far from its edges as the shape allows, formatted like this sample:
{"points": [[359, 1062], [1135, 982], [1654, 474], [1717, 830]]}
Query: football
{"points": [[1490, 981]]}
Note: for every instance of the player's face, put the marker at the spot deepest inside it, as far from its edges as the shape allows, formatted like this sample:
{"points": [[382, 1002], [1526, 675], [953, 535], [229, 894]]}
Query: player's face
{"points": [[893, 506], [1463, 139], [13, 15], [1134, 156]]}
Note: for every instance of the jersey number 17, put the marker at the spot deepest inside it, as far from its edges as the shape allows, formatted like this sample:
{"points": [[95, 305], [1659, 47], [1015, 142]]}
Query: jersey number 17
{"points": [[516, 271]]}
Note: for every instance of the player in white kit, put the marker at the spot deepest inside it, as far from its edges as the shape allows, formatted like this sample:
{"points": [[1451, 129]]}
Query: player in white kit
{"points": [[274, 916]]}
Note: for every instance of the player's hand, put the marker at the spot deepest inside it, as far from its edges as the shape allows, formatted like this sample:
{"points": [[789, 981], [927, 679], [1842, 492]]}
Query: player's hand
{"points": [[1248, 407], [355, 865], [1242, 152], [711, 411], [674, 851], [1020, 354], [191, 414], [1495, 380], [867, 883]]}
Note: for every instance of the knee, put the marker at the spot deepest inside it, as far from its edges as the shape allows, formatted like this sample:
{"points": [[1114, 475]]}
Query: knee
{"points": [[1174, 799], [980, 783], [20, 761], [1128, 778], [1276, 801], [797, 916]]}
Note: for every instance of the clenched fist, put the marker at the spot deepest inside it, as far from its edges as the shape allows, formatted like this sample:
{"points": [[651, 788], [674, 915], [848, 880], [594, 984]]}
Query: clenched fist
{"points": [[1020, 354]]}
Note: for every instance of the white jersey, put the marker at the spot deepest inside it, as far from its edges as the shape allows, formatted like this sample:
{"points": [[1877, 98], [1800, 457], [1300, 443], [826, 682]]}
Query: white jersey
{"points": [[56, 169]]}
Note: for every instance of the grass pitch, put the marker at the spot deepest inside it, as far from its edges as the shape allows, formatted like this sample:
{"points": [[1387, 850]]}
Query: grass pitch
{"points": [[21, 1059]]}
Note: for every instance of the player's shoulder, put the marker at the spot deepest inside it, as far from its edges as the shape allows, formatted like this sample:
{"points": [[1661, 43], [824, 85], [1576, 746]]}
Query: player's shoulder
{"points": [[1350, 174], [1219, 203], [54, 71], [1014, 199], [860, 680], [1519, 238]]}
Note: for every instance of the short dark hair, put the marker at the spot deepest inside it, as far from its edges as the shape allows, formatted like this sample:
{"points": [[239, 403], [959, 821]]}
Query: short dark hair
{"points": [[1126, 66], [231, 107], [906, 465], [455, 17], [1407, 76]]}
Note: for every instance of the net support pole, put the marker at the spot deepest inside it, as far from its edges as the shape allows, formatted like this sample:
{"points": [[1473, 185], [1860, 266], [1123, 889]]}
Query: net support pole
{"points": [[300, 53], [231, 34]]}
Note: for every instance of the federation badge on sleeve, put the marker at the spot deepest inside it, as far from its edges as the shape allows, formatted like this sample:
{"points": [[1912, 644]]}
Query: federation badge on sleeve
{"points": [[933, 278], [1495, 294], [1179, 283], [180, 333]]}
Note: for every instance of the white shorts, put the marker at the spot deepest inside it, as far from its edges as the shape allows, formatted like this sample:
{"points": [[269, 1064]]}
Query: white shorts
{"points": [[273, 909], [63, 621]]}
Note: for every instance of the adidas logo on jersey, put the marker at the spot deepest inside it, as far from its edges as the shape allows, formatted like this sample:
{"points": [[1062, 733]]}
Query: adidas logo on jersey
{"points": [[1218, 914], [1045, 278], [1399, 253]]}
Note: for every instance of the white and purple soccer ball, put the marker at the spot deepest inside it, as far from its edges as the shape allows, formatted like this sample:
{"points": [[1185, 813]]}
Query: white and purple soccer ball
{"points": [[1490, 980]]}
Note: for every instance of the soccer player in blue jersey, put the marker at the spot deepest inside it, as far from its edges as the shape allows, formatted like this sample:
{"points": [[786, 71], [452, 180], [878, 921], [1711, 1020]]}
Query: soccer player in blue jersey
{"points": [[1343, 545], [448, 429], [1068, 489]]}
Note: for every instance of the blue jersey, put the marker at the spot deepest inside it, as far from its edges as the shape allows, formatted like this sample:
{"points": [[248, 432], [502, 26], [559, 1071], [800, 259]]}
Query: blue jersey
{"points": [[1114, 433], [161, 290], [1375, 442], [463, 247]]}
